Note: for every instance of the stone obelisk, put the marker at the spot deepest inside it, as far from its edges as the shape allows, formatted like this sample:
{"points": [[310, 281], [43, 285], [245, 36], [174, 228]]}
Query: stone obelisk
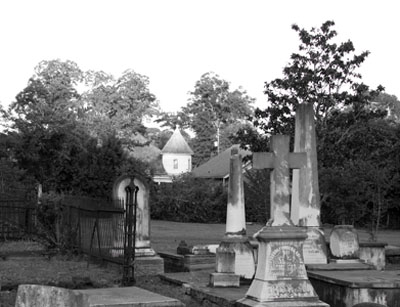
{"points": [[234, 256], [305, 210]]}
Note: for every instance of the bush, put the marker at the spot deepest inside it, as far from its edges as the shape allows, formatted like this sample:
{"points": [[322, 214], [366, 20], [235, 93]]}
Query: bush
{"points": [[190, 199]]}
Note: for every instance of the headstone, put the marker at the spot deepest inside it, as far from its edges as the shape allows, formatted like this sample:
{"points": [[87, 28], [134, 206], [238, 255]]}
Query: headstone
{"points": [[145, 256], [142, 244], [235, 246], [281, 277], [47, 296], [344, 243], [305, 209]]}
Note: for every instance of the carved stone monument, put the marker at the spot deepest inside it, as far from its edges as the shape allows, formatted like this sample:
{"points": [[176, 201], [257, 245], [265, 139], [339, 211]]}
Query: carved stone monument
{"points": [[344, 244], [305, 209], [234, 256], [143, 249], [281, 276]]}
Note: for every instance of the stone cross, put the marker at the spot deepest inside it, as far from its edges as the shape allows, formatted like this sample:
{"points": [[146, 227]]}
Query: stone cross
{"points": [[281, 161]]}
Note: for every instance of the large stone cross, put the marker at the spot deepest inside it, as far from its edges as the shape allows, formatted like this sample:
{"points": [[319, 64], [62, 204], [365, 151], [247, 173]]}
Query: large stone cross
{"points": [[281, 161]]}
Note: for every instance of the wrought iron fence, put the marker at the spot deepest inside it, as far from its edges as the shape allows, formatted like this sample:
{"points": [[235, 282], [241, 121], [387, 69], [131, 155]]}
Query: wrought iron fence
{"points": [[17, 219]]}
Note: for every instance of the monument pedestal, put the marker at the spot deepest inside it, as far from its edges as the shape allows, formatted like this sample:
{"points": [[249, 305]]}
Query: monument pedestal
{"points": [[281, 278], [234, 260], [149, 265]]}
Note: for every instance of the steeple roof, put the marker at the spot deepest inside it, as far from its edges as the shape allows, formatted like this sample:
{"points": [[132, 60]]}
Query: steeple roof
{"points": [[177, 144]]}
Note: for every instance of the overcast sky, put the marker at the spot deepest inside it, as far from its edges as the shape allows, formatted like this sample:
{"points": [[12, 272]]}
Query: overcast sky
{"points": [[174, 42]]}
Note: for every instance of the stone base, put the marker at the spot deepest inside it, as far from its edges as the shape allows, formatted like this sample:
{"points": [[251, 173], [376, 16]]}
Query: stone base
{"points": [[348, 288], [149, 266], [241, 262], [187, 263], [294, 303], [281, 274], [315, 250], [347, 261], [224, 280], [144, 251]]}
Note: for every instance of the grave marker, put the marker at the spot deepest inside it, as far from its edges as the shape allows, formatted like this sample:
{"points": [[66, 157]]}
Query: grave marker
{"points": [[305, 209], [234, 256], [145, 256], [344, 243], [281, 276], [281, 161]]}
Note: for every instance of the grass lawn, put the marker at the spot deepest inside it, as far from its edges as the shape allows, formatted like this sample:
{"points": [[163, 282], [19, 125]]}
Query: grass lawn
{"points": [[165, 236], [76, 273]]}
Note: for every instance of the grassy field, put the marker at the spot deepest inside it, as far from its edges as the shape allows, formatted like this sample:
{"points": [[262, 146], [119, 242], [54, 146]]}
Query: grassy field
{"points": [[165, 236], [76, 273]]}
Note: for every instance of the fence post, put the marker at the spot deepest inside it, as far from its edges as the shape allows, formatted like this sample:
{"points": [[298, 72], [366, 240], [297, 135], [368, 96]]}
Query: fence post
{"points": [[128, 277]]}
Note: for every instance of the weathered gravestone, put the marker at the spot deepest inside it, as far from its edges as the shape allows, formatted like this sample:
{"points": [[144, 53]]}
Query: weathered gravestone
{"points": [[344, 243], [305, 210], [144, 253], [47, 296], [281, 275], [234, 256]]}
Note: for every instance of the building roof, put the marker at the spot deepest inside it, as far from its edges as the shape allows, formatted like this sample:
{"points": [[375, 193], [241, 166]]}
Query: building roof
{"points": [[177, 144], [218, 166]]}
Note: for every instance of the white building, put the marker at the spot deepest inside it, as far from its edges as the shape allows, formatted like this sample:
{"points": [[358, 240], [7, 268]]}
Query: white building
{"points": [[176, 158]]}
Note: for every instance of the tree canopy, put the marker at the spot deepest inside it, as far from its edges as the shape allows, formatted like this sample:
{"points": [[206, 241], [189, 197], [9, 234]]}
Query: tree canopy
{"points": [[323, 73], [214, 113]]}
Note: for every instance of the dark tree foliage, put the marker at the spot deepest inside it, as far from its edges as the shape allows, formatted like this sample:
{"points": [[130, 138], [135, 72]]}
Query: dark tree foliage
{"points": [[49, 138], [190, 199], [357, 129], [323, 73]]}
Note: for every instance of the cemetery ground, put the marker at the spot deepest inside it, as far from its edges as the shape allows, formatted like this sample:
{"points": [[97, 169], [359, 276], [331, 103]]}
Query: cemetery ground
{"points": [[78, 271]]}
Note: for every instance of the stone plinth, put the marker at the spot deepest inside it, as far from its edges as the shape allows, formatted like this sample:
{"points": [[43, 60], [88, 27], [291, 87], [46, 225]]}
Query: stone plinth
{"points": [[373, 253], [281, 276], [343, 242], [342, 288]]}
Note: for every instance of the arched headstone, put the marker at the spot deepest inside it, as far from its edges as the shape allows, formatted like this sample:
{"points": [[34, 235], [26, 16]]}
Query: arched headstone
{"points": [[142, 245]]}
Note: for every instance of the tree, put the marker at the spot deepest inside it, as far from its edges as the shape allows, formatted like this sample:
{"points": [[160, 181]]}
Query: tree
{"points": [[118, 105], [212, 108], [51, 133], [390, 104], [322, 73]]}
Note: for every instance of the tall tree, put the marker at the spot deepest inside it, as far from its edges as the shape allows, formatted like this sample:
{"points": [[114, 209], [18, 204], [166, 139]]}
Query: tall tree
{"points": [[390, 104], [212, 108], [323, 73], [118, 105]]}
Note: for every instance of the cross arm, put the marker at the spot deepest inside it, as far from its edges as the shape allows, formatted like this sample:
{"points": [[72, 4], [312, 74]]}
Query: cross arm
{"points": [[263, 160]]}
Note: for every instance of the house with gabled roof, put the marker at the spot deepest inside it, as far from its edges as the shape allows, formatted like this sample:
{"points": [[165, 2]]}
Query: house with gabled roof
{"points": [[176, 158], [218, 167]]}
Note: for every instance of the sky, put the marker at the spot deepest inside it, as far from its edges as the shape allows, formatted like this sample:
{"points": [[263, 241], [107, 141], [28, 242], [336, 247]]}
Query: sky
{"points": [[174, 42]]}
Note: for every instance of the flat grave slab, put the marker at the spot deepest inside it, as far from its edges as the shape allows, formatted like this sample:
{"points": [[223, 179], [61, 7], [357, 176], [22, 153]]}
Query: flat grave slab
{"points": [[332, 266], [127, 296], [347, 288], [360, 278]]}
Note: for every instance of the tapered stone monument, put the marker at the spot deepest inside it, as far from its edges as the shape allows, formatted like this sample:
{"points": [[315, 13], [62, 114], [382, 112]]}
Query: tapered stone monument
{"points": [[306, 209], [281, 276], [234, 256]]}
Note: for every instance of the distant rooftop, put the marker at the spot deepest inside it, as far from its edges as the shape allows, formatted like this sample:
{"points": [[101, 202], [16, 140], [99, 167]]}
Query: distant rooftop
{"points": [[177, 144], [218, 166]]}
